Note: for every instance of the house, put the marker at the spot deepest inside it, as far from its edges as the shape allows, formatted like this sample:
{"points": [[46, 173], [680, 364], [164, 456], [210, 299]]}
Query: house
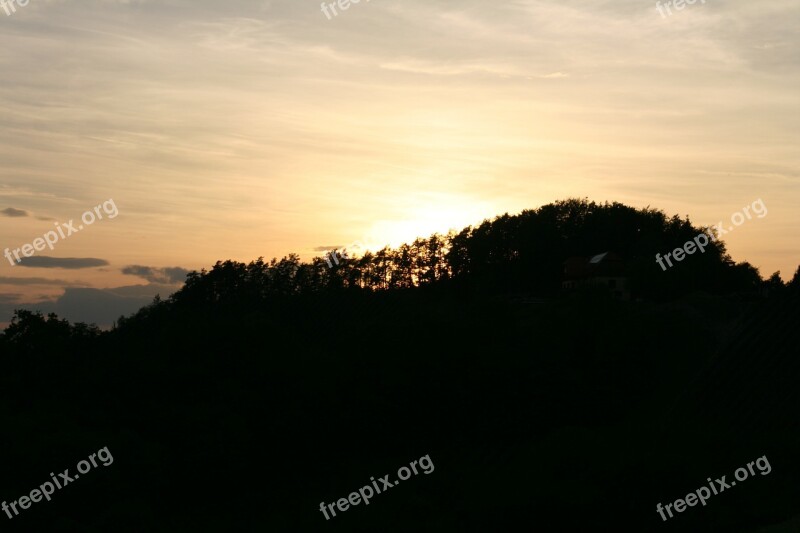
{"points": [[604, 271]]}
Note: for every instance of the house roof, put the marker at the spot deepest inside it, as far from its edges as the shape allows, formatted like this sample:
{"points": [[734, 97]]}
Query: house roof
{"points": [[605, 264], [599, 257]]}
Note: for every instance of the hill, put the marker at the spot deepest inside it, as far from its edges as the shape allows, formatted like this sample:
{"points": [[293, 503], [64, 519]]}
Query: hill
{"points": [[260, 390]]}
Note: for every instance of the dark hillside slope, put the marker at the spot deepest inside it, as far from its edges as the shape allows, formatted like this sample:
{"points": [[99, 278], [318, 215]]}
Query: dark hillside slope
{"points": [[259, 390], [744, 404]]}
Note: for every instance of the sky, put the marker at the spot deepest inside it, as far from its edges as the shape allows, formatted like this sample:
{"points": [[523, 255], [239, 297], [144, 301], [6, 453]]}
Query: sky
{"points": [[239, 129]]}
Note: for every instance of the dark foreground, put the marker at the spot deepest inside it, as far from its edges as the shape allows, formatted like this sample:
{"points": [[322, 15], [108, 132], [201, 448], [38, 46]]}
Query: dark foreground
{"points": [[563, 415]]}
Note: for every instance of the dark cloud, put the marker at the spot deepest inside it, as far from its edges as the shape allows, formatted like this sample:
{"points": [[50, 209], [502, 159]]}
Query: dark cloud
{"points": [[70, 263], [13, 213], [157, 275], [328, 248], [39, 281], [99, 306]]}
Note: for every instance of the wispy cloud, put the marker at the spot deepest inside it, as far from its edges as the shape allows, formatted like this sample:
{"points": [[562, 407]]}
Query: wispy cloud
{"points": [[555, 75], [69, 263], [4, 280]]}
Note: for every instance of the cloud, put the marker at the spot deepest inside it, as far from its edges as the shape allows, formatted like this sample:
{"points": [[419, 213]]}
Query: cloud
{"points": [[70, 263], [98, 306], [555, 75], [328, 248], [39, 281], [157, 275], [14, 213]]}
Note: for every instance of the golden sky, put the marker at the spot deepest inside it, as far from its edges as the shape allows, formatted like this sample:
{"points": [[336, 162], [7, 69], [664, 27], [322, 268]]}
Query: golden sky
{"points": [[238, 129]]}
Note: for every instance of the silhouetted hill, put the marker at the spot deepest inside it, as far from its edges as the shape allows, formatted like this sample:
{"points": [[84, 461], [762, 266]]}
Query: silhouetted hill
{"points": [[510, 254], [259, 390]]}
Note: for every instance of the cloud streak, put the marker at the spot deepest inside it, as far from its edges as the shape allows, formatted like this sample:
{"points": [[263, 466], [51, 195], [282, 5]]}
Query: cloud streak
{"points": [[68, 263], [4, 280]]}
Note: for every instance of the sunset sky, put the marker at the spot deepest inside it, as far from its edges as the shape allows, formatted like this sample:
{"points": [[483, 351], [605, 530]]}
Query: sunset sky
{"points": [[238, 129]]}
